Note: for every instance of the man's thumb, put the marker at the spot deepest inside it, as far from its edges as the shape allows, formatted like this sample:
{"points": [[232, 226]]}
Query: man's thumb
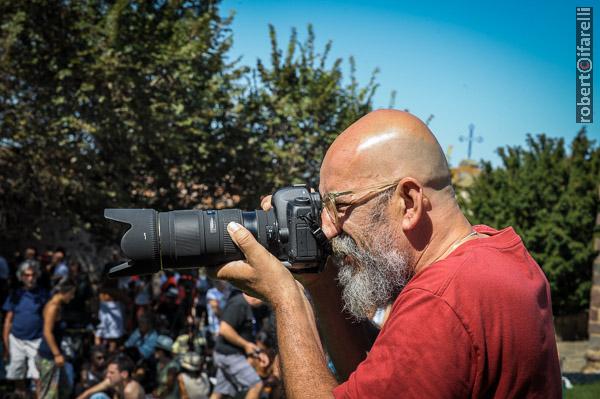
{"points": [[241, 236], [254, 252]]}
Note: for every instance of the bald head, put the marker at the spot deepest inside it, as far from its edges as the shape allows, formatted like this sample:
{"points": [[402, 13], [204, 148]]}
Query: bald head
{"points": [[382, 146]]}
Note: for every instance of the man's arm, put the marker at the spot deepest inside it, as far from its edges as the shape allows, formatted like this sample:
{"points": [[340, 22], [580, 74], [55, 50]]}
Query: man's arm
{"points": [[100, 387], [214, 305], [347, 341], [231, 336], [49, 320], [303, 362], [8, 319]]}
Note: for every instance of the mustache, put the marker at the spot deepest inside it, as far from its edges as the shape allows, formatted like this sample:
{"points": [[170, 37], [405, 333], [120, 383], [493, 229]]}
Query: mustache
{"points": [[343, 245]]}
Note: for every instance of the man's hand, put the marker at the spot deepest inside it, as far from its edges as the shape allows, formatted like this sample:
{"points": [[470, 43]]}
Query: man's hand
{"points": [[261, 275], [59, 360], [251, 349], [306, 279]]}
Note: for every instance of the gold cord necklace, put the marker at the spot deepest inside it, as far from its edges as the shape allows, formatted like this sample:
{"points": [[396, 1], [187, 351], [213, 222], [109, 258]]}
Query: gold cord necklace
{"points": [[455, 245]]}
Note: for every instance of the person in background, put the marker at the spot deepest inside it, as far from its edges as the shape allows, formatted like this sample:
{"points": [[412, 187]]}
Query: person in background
{"points": [[92, 372], [111, 327], [267, 366], [118, 378], [235, 343], [23, 323], [76, 313], [54, 383], [167, 307], [192, 382], [4, 279], [30, 253], [58, 266], [45, 276], [216, 298], [142, 341], [166, 369], [143, 302]]}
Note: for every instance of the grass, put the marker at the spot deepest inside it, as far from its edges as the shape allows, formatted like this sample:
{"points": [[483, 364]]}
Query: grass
{"points": [[584, 391]]}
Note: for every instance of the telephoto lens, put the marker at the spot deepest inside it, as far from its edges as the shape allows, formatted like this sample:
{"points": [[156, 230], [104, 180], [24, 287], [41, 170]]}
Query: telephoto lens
{"points": [[187, 238]]}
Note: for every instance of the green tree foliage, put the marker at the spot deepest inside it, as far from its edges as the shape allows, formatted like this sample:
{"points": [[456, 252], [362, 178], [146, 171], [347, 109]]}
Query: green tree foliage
{"points": [[139, 104], [550, 197], [297, 104]]}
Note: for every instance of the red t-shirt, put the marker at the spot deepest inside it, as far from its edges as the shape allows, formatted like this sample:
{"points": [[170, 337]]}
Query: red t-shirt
{"points": [[475, 324]]}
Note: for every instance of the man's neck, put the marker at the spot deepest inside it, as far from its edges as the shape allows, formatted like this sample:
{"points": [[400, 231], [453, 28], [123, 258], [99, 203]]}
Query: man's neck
{"points": [[443, 237]]}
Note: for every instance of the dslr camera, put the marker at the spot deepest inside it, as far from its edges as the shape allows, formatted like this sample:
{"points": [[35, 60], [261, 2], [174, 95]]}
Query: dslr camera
{"points": [[186, 239]]}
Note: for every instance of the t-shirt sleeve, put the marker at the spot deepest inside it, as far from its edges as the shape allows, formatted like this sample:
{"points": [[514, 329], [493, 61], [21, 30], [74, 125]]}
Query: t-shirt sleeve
{"points": [[8, 305], [423, 351], [234, 314]]}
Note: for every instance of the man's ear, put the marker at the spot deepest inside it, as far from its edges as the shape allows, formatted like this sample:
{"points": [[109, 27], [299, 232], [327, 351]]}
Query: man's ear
{"points": [[410, 202]]}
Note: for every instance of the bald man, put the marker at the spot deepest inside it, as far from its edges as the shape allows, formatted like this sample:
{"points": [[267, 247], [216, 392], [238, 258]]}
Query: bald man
{"points": [[468, 311]]}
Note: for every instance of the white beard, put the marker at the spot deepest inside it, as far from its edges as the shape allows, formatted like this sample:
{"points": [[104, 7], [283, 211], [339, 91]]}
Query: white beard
{"points": [[373, 277]]}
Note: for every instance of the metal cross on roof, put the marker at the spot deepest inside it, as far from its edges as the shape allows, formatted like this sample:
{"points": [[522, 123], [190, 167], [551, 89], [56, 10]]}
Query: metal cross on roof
{"points": [[470, 139]]}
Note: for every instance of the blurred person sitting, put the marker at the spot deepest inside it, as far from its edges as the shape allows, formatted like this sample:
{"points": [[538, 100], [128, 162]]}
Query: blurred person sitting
{"points": [[92, 372], [192, 381], [111, 327], [142, 342], [119, 380], [23, 324], [54, 382], [236, 342], [166, 369]]}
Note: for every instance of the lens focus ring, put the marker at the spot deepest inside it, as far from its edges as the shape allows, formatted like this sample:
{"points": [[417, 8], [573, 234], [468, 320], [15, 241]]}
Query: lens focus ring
{"points": [[226, 216]]}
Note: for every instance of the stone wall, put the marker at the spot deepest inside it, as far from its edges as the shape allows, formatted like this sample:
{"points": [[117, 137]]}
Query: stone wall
{"points": [[593, 353]]}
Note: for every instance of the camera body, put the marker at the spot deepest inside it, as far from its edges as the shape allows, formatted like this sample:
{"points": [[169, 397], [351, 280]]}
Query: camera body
{"points": [[299, 230], [195, 238]]}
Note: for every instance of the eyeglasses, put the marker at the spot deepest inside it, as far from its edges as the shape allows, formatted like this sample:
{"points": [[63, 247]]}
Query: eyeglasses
{"points": [[331, 203]]}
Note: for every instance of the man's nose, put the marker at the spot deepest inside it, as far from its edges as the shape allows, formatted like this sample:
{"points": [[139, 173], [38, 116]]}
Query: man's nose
{"points": [[328, 226]]}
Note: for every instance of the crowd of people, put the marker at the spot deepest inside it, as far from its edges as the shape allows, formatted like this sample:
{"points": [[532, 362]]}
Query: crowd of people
{"points": [[70, 334]]}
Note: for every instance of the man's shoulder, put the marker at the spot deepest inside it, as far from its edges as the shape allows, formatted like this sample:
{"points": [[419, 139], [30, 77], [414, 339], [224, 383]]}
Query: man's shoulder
{"points": [[498, 261]]}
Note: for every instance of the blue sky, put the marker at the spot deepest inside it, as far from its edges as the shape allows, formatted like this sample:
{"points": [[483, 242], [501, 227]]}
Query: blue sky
{"points": [[507, 67]]}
